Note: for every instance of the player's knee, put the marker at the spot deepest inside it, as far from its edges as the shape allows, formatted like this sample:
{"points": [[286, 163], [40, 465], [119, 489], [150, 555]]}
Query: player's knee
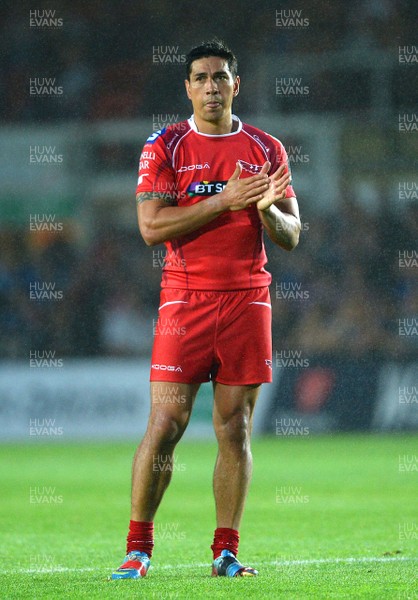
{"points": [[234, 429], [168, 428]]}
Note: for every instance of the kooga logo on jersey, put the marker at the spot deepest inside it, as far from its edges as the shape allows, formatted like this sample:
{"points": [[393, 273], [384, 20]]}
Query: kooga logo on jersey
{"points": [[193, 167], [205, 188]]}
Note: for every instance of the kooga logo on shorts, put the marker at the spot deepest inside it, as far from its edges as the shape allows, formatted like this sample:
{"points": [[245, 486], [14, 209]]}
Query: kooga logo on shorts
{"points": [[205, 188], [167, 368]]}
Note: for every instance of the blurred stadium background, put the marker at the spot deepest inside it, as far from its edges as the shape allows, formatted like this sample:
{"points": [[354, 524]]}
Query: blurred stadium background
{"points": [[83, 85]]}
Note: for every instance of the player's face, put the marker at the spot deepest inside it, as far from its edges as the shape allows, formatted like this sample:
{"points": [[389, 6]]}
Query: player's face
{"points": [[212, 89]]}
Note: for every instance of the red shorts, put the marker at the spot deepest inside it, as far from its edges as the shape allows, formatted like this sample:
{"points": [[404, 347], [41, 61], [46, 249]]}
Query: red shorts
{"points": [[221, 336]]}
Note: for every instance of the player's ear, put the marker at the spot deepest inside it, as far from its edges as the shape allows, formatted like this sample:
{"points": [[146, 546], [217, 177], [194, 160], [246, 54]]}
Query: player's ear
{"points": [[236, 85], [187, 84]]}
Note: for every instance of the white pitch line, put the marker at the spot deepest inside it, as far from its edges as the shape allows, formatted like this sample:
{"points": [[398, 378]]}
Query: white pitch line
{"points": [[279, 563], [360, 559]]}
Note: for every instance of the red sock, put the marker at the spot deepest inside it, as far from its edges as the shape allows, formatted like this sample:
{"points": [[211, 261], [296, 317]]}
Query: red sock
{"points": [[225, 539], [140, 537]]}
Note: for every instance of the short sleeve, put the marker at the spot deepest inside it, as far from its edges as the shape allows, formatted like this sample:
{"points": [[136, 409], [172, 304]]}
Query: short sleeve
{"points": [[155, 173]]}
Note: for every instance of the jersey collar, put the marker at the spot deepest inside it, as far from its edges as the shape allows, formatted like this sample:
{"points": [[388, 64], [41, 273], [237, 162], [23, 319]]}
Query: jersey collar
{"points": [[192, 124]]}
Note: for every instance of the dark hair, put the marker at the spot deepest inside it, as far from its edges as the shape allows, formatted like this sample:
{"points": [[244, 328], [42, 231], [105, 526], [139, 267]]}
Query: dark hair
{"points": [[215, 47]]}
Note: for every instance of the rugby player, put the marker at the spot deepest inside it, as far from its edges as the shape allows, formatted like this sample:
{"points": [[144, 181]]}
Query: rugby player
{"points": [[208, 187]]}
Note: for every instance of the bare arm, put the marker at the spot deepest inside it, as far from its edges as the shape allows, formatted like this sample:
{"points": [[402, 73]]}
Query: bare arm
{"points": [[282, 223], [280, 215], [160, 221]]}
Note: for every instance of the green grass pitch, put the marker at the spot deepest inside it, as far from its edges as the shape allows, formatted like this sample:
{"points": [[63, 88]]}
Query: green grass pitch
{"points": [[331, 516]]}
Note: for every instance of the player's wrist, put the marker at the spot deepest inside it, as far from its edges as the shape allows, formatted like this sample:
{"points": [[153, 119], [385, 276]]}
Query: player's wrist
{"points": [[264, 205], [220, 202]]}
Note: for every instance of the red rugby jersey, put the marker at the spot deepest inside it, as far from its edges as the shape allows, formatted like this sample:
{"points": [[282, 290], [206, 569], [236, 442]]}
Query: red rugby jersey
{"points": [[227, 253]]}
